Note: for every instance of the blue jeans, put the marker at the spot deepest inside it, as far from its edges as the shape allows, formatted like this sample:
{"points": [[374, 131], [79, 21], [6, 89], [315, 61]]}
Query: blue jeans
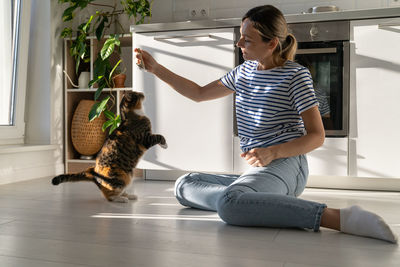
{"points": [[262, 196]]}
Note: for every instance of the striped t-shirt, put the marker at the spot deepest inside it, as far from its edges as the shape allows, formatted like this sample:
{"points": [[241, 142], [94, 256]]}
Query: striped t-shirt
{"points": [[269, 102]]}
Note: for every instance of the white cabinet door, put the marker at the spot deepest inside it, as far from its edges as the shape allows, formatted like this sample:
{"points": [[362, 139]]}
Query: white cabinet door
{"points": [[199, 135], [327, 160], [330, 159], [375, 96]]}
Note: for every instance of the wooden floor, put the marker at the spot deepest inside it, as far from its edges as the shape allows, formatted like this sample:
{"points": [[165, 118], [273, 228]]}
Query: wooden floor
{"points": [[72, 225]]}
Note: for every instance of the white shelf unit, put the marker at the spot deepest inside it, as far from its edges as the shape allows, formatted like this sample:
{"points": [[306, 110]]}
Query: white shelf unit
{"points": [[72, 95]]}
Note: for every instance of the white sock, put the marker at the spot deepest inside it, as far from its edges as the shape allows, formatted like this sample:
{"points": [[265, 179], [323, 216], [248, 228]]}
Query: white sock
{"points": [[357, 221]]}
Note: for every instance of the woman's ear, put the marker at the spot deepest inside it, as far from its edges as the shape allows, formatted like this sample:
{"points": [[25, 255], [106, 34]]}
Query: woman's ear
{"points": [[273, 43]]}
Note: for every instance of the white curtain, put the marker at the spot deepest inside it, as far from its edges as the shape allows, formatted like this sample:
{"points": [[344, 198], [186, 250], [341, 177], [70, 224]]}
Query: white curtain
{"points": [[5, 61]]}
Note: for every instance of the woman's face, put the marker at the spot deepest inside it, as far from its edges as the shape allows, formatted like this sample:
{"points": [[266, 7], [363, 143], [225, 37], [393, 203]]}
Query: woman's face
{"points": [[251, 44]]}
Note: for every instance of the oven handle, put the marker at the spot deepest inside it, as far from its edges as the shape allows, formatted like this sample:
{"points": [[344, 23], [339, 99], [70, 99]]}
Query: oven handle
{"points": [[330, 50]]}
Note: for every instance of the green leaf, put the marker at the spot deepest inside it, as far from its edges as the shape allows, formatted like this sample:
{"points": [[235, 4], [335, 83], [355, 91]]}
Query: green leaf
{"points": [[98, 108], [110, 115], [107, 124], [99, 90], [117, 122], [113, 127], [87, 25], [103, 104], [99, 66], [95, 80], [112, 71], [78, 61], [93, 111], [118, 119], [82, 50], [68, 13], [100, 28], [113, 121], [84, 3], [108, 47], [67, 32]]}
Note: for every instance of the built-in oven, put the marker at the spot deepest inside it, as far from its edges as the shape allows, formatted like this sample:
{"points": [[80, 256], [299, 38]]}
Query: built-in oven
{"points": [[324, 49]]}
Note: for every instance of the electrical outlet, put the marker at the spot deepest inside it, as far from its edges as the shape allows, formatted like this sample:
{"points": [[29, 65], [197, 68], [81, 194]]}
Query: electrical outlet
{"points": [[198, 13], [394, 2]]}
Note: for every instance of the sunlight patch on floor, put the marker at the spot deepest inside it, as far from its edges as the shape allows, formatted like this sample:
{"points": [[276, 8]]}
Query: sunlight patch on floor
{"points": [[351, 193], [159, 197], [164, 204], [170, 189], [158, 217]]}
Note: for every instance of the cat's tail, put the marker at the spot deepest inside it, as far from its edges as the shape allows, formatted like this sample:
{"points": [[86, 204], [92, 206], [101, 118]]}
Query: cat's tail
{"points": [[74, 177]]}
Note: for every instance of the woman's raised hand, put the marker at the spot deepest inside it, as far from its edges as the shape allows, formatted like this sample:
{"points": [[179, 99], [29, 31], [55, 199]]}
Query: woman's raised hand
{"points": [[145, 60]]}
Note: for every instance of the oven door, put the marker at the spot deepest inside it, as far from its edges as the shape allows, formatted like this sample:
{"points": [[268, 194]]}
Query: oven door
{"points": [[328, 63]]}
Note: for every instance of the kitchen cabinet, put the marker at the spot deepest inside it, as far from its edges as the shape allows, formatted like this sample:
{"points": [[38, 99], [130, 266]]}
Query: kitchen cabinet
{"points": [[199, 135], [331, 159], [374, 143]]}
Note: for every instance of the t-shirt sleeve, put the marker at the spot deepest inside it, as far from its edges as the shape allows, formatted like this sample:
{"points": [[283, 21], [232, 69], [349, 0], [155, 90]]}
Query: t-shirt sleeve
{"points": [[229, 79], [301, 91]]}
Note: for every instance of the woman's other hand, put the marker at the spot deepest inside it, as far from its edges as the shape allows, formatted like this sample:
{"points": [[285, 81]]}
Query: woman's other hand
{"points": [[259, 157], [144, 59]]}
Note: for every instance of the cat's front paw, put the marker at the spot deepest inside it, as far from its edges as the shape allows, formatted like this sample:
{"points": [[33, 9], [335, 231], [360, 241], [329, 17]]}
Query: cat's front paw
{"points": [[119, 199]]}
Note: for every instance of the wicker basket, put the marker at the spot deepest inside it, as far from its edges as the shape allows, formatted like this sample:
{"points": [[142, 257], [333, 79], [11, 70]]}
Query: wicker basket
{"points": [[87, 137]]}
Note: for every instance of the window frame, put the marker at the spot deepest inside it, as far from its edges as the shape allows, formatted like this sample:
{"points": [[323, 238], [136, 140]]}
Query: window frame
{"points": [[14, 134]]}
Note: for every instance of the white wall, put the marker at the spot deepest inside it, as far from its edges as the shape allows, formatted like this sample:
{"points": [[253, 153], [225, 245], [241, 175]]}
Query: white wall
{"points": [[42, 156], [38, 91], [178, 10]]}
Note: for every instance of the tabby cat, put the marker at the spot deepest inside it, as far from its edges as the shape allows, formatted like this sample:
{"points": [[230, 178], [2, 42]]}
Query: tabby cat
{"points": [[120, 152]]}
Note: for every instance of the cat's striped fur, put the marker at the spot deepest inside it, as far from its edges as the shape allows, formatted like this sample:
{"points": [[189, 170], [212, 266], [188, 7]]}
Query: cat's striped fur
{"points": [[120, 152]]}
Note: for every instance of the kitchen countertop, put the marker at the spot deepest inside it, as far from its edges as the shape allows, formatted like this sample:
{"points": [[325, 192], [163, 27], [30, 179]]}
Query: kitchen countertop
{"points": [[290, 18]]}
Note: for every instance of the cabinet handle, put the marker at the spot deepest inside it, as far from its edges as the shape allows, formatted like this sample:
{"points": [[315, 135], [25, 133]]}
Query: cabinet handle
{"points": [[388, 25], [331, 50], [182, 36]]}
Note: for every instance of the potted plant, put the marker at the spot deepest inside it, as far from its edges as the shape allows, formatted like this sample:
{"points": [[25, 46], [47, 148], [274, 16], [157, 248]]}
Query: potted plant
{"points": [[119, 77], [99, 23]]}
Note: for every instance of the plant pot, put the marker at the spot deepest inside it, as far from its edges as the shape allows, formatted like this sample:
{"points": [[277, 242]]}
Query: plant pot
{"points": [[83, 80], [87, 137], [119, 80]]}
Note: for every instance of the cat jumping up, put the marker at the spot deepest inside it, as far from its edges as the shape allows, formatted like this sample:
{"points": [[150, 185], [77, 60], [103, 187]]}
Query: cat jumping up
{"points": [[121, 152]]}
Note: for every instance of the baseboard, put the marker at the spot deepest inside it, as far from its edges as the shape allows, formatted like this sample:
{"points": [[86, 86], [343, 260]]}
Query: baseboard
{"points": [[27, 163], [354, 183], [314, 181], [31, 173]]}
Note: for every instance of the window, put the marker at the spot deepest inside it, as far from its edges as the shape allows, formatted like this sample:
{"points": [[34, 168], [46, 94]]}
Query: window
{"points": [[6, 90], [14, 26]]}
